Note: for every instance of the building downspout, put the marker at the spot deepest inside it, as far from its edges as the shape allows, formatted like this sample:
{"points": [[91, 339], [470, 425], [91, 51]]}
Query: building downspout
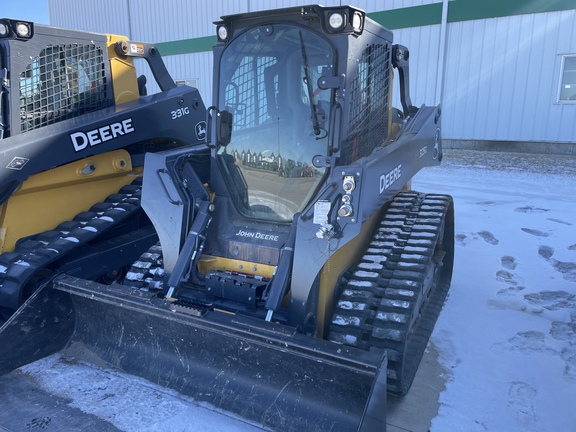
{"points": [[129, 15], [441, 73]]}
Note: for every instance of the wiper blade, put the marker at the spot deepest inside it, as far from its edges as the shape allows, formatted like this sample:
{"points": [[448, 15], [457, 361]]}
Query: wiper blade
{"points": [[315, 124]]}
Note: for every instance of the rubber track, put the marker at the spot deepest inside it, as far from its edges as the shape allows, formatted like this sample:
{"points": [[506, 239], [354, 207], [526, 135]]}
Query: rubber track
{"points": [[381, 307], [30, 256], [148, 271]]}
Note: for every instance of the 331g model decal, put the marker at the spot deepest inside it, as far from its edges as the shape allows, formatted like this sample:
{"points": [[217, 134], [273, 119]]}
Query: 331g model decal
{"points": [[81, 140], [180, 112]]}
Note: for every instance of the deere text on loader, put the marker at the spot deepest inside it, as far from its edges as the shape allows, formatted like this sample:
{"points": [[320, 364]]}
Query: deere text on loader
{"points": [[294, 279]]}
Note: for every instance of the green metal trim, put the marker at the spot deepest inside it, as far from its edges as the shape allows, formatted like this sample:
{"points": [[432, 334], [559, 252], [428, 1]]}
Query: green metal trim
{"points": [[186, 46], [468, 10], [415, 16]]}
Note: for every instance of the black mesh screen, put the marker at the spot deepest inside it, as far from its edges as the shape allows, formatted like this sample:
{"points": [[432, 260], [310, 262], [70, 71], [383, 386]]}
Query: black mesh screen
{"points": [[368, 125], [245, 94], [64, 81]]}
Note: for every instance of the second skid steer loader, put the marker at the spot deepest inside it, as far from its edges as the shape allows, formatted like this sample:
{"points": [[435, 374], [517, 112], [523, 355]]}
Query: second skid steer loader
{"points": [[296, 279]]}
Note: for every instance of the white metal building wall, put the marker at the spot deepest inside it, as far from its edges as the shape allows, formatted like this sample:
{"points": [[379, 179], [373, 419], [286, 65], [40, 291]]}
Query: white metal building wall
{"points": [[500, 77], [424, 45]]}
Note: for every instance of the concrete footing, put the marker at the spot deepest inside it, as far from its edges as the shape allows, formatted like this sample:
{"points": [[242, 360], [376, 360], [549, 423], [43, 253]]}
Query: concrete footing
{"points": [[512, 146]]}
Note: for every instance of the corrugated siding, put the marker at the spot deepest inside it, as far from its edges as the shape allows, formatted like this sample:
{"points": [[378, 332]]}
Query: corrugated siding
{"points": [[193, 66], [149, 20], [366, 5], [103, 16], [424, 46], [502, 79], [170, 20]]}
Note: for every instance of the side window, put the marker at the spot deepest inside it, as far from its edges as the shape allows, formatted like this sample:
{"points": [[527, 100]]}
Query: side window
{"points": [[567, 90]]}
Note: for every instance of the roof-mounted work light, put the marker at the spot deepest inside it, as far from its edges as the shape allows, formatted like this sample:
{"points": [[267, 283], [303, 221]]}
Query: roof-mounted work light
{"points": [[357, 22], [336, 21], [14, 29], [23, 29], [4, 29], [343, 19], [222, 32]]}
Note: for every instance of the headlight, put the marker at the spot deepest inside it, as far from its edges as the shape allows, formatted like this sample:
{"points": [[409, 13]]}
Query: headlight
{"points": [[23, 30], [222, 32], [4, 29], [336, 21], [13, 29], [343, 20], [357, 22]]}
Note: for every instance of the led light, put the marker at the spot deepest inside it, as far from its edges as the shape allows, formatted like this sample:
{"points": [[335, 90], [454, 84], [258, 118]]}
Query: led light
{"points": [[336, 21], [3, 29], [357, 22], [23, 30], [222, 32]]}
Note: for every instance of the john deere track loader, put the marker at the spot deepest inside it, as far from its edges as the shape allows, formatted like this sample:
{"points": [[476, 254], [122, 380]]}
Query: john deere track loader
{"points": [[73, 134], [288, 275]]}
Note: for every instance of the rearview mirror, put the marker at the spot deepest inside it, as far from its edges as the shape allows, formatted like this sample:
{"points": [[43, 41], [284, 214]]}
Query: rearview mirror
{"points": [[223, 128], [220, 126]]}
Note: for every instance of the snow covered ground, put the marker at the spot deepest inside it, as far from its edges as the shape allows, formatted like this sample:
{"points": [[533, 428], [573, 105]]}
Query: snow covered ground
{"points": [[123, 402], [507, 335]]}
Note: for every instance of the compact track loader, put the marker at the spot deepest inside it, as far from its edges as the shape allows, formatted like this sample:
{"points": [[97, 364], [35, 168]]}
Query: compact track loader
{"points": [[74, 130], [269, 257]]}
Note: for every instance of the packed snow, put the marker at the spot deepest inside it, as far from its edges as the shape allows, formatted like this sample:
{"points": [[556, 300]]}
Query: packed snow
{"points": [[506, 338], [507, 335], [128, 403]]}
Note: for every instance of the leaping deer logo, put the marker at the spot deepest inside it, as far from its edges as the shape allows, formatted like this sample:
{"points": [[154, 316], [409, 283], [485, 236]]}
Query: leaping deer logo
{"points": [[201, 130]]}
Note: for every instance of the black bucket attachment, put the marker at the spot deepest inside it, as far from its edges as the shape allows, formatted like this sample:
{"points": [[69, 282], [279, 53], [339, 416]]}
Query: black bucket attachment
{"points": [[264, 372]]}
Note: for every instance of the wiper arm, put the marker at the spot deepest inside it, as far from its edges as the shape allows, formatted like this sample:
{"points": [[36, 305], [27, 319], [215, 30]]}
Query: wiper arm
{"points": [[315, 124]]}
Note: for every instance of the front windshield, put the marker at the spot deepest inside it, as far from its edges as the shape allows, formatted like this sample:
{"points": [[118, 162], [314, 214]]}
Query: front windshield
{"points": [[269, 82]]}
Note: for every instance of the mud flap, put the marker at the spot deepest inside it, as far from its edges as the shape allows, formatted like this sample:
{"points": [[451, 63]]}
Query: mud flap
{"points": [[261, 371]]}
